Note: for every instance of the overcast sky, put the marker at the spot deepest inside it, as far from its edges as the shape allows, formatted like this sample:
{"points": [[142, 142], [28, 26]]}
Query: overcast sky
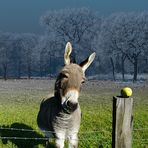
{"points": [[24, 15]]}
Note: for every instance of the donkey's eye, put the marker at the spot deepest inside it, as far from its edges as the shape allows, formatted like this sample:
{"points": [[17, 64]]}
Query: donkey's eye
{"points": [[82, 82]]}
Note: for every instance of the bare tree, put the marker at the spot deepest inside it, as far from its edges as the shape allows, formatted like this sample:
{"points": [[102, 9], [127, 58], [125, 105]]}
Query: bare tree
{"points": [[4, 61], [5, 52], [17, 56], [125, 34], [79, 26], [29, 41], [49, 55]]}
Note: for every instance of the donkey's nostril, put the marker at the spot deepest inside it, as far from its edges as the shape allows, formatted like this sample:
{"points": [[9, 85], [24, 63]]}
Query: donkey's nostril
{"points": [[71, 105]]}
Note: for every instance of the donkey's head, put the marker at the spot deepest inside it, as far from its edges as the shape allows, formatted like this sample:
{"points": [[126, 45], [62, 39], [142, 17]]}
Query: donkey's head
{"points": [[70, 79]]}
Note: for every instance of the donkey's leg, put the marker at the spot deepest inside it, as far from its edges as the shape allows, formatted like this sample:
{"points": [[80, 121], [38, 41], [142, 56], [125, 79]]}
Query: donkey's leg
{"points": [[59, 143], [47, 144], [73, 141], [60, 140]]}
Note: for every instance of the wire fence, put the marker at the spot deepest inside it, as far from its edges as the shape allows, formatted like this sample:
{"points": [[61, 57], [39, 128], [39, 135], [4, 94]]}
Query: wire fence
{"points": [[16, 140], [47, 131], [37, 130]]}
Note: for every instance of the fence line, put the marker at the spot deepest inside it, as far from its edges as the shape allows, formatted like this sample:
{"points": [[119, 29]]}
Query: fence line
{"points": [[23, 138], [144, 141], [33, 138], [140, 129], [29, 130], [80, 139], [52, 138], [17, 129]]}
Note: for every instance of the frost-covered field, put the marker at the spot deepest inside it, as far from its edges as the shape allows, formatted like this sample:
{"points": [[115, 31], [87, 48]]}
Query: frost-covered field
{"points": [[118, 77], [20, 99]]}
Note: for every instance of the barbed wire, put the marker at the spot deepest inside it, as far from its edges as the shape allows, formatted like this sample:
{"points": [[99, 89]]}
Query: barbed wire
{"points": [[32, 130], [144, 141], [17, 129], [52, 138], [140, 129], [24, 138], [23, 130], [29, 130]]}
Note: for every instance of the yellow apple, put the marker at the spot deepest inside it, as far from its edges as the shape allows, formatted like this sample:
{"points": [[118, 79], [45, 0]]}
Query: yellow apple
{"points": [[126, 92]]}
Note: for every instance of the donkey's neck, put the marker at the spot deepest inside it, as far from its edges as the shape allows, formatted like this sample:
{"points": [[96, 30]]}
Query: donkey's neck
{"points": [[57, 97], [57, 91]]}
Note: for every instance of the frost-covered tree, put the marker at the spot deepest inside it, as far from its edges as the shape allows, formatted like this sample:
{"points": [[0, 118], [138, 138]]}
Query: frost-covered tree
{"points": [[125, 34], [17, 55], [29, 42], [49, 55], [106, 45], [5, 52], [79, 26]]}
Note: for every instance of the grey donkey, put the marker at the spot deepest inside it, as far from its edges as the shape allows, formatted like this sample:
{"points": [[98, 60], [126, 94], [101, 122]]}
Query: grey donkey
{"points": [[61, 114]]}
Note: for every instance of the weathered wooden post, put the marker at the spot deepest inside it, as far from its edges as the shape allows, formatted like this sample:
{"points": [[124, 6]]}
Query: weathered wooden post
{"points": [[122, 122]]}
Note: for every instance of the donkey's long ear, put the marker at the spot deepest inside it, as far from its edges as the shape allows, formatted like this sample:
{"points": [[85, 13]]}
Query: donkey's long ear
{"points": [[68, 50], [86, 63]]}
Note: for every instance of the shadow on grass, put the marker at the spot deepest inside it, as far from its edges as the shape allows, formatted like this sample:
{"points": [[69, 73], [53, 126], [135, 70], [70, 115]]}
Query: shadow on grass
{"points": [[22, 143]]}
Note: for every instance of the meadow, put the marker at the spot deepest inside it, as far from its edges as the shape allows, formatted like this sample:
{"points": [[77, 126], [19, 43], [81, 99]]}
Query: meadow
{"points": [[20, 101]]}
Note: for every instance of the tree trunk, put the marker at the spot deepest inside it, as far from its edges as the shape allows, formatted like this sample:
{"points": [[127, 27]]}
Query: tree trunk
{"points": [[146, 63], [113, 68], [19, 69], [50, 65], [5, 71], [29, 68], [41, 66], [29, 65], [29, 71], [135, 69], [41, 70], [29, 62], [122, 66]]}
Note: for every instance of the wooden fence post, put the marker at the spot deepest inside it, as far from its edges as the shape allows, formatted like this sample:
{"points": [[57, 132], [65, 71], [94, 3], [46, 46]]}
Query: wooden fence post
{"points": [[122, 122]]}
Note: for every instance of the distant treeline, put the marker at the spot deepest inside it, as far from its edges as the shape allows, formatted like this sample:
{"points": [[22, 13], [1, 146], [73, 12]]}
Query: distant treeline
{"points": [[120, 41]]}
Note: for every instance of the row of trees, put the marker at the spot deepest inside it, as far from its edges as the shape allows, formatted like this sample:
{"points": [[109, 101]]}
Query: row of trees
{"points": [[16, 54], [124, 37], [120, 40]]}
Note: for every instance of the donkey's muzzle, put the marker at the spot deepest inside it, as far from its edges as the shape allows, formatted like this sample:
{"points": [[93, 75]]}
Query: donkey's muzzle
{"points": [[69, 106], [72, 106]]}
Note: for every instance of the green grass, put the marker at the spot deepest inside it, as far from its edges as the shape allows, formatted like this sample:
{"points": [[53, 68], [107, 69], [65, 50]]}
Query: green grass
{"points": [[19, 104]]}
